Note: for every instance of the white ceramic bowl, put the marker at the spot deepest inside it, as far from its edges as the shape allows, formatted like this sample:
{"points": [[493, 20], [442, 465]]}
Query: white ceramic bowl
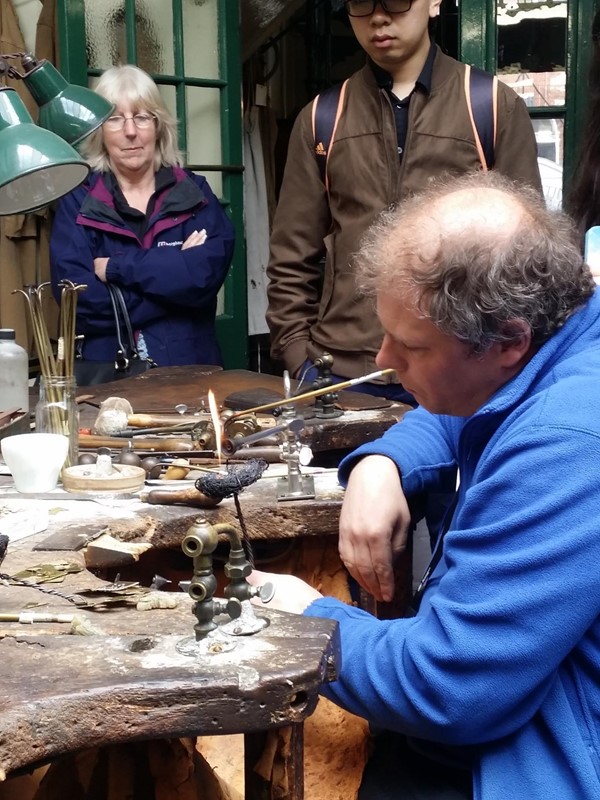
{"points": [[35, 460]]}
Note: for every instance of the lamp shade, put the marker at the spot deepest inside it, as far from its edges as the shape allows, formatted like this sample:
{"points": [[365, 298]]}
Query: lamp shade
{"points": [[70, 111], [36, 166]]}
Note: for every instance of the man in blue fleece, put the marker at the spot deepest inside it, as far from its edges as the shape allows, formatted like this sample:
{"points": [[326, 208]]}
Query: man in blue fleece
{"points": [[492, 689]]}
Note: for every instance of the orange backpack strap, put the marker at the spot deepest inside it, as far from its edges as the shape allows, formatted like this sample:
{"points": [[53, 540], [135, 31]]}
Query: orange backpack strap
{"points": [[326, 112], [481, 93]]}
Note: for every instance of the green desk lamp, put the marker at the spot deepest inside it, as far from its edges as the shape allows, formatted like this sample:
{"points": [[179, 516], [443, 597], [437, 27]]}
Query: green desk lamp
{"points": [[38, 164], [72, 112]]}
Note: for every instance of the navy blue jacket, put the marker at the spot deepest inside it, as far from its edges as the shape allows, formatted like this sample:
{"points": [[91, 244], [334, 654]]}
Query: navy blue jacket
{"points": [[171, 294]]}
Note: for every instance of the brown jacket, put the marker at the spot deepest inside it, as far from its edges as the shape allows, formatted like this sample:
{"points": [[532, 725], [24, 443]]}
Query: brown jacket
{"points": [[24, 249], [311, 311]]}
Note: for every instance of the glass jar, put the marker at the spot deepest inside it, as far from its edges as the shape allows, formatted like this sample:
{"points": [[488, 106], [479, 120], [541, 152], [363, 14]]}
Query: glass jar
{"points": [[57, 412]]}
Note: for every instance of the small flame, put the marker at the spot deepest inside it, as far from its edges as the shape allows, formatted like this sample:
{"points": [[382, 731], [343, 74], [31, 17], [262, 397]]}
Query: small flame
{"points": [[216, 420]]}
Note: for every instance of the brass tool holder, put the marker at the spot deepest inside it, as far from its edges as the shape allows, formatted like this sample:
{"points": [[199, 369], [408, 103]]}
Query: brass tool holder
{"points": [[325, 404], [294, 486], [200, 542]]}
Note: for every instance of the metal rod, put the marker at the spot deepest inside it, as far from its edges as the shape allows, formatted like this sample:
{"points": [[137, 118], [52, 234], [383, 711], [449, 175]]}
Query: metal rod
{"points": [[29, 617], [314, 393], [231, 446]]}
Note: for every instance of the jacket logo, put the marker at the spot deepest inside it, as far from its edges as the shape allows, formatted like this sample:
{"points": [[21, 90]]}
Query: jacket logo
{"points": [[320, 150], [169, 244]]}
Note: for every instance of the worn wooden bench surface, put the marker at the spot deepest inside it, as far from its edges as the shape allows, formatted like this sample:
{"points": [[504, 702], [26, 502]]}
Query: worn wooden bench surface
{"points": [[160, 390], [117, 536], [127, 681], [73, 524], [163, 388]]}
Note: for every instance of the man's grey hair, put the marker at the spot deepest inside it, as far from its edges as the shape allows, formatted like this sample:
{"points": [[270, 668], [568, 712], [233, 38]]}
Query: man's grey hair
{"points": [[469, 272], [131, 84]]}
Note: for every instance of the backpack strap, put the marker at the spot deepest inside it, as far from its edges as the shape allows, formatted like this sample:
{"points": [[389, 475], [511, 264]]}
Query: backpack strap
{"points": [[326, 112], [481, 92]]}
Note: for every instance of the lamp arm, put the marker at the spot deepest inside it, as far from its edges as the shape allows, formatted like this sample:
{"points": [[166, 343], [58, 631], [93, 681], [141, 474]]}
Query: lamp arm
{"points": [[8, 70]]}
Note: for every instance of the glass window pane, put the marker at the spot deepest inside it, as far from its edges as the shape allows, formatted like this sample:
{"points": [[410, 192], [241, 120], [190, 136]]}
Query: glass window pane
{"points": [[105, 32], [532, 40], [169, 96], [201, 38], [106, 40], [215, 179], [203, 125], [154, 36], [549, 134]]}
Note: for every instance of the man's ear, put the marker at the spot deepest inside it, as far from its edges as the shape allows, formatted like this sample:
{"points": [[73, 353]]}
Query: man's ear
{"points": [[434, 8], [518, 342]]}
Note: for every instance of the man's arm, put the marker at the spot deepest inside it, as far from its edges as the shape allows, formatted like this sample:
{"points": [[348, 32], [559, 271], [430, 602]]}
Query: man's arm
{"points": [[514, 597], [301, 223], [412, 457], [374, 524]]}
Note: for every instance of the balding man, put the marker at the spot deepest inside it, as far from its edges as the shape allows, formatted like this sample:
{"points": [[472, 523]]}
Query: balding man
{"points": [[492, 689]]}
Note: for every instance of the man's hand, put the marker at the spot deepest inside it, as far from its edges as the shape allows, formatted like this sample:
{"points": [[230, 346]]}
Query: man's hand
{"points": [[291, 593], [194, 239], [374, 525]]}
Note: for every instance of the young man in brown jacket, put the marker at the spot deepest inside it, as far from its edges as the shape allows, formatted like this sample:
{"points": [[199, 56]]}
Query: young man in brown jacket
{"points": [[404, 121]]}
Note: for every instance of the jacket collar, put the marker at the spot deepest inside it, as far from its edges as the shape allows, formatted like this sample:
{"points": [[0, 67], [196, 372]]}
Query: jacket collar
{"points": [[385, 80], [580, 332], [179, 195], [163, 179]]}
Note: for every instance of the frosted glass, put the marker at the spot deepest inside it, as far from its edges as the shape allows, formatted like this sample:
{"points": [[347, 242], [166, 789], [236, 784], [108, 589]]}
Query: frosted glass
{"points": [[200, 38], [215, 180], [203, 125], [104, 32], [106, 40], [168, 95]]}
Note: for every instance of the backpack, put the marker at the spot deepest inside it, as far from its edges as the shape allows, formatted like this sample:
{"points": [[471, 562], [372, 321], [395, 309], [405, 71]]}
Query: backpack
{"points": [[481, 93]]}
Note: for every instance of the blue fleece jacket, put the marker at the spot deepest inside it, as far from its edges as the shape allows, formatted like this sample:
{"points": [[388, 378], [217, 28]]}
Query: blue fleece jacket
{"points": [[502, 660], [171, 294]]}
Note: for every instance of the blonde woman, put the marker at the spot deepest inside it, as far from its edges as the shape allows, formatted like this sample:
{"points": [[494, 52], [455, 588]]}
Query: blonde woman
{"points": [[147, 225]]}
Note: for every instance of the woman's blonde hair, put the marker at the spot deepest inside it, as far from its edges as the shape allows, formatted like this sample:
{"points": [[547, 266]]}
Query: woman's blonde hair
{"points": [[132, 85]]}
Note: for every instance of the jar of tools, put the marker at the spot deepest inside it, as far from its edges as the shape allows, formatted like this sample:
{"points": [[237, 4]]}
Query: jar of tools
{"points": [[57, 412]]}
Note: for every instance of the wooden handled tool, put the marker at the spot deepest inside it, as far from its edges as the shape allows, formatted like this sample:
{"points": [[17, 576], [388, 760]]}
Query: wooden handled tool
{"points": [[160, 420], [158, 444], [189, 497]]}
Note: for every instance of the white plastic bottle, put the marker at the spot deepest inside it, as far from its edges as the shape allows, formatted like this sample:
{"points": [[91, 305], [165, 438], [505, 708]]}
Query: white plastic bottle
{"points": [[14, 373]]}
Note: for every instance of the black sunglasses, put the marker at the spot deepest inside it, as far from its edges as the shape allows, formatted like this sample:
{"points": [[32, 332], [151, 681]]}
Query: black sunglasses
{"points": [[364, 8]]}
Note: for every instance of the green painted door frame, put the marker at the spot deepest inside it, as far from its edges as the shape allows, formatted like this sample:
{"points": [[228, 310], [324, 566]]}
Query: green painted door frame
{"points": [[478, 46], [232, 323]]}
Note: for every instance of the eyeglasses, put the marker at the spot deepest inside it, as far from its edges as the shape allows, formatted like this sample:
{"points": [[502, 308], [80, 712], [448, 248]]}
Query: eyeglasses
{"points": [[364, 8], [116, 122]]}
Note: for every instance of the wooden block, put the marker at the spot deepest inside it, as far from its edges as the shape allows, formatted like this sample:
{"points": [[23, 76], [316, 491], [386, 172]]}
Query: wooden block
{"points": [[71, 538], [110, 552], [249, 398]]}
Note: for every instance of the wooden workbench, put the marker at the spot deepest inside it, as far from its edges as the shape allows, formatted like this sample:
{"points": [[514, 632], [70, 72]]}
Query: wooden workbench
{"points": [[159, 390], [127, 682], [79, 522], [136, 540]]}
